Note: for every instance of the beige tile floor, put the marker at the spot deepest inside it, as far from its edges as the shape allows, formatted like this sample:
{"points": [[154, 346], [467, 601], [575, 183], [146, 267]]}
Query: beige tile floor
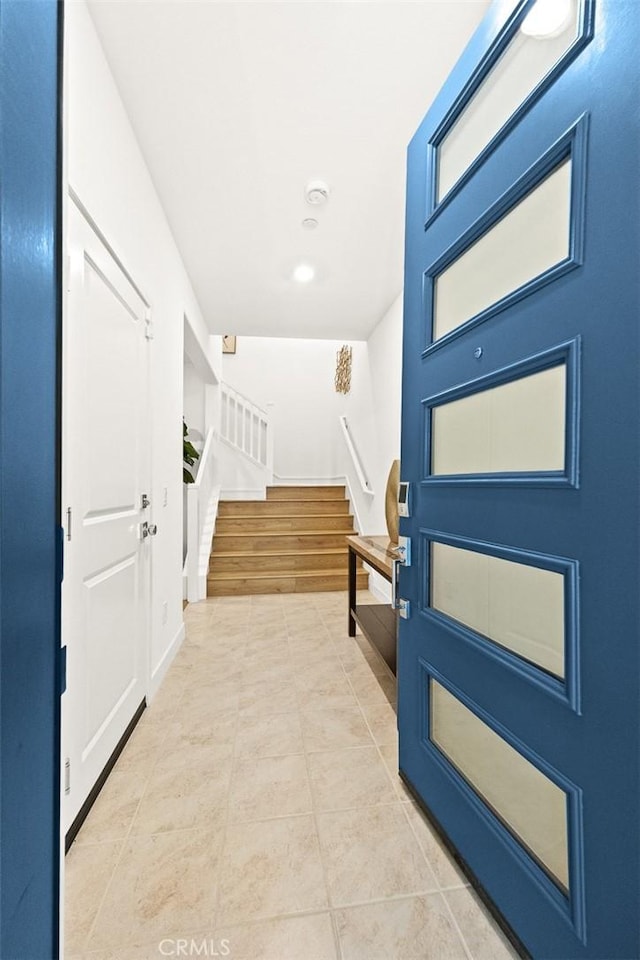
{"points": [[257, 811]]}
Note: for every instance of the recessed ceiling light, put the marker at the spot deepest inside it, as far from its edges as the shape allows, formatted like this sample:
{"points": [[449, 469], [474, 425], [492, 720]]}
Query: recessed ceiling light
{"points": [[309, 223], [547, 18], [316, 192], [303, 273]]}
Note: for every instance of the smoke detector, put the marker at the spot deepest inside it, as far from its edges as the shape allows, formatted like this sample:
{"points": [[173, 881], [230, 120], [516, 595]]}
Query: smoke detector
{"points": [[316, 192]]}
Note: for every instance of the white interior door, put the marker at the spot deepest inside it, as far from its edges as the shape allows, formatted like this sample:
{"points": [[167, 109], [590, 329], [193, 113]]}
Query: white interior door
{"points": [[105, 474]]}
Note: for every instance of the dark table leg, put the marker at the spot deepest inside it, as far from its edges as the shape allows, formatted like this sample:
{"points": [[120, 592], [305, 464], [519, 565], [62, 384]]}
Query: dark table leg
{"points": [[352, 592]]}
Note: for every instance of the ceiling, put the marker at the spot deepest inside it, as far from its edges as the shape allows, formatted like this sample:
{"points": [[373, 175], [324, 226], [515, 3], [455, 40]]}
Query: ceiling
{"points": [[237, 105]]}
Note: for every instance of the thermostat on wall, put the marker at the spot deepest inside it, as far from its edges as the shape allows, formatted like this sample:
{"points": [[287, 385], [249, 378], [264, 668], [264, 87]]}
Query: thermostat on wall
{"points": [[403, 500]]}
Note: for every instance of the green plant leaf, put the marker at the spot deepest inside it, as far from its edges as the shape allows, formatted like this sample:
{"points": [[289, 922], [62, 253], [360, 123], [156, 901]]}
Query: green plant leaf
{"points": [[189, 454]]}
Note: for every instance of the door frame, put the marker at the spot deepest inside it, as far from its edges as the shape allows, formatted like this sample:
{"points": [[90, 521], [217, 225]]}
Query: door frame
{"points": [[31, 674]]}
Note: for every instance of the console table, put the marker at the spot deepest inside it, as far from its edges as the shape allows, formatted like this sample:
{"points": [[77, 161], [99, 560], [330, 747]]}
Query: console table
{"points": [[378, 621]]}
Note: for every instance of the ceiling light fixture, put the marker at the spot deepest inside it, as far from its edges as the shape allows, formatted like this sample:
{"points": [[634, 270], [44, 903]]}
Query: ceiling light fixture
{"points": [[316, 192], [303, 273], [547, 18], [309, 223]]}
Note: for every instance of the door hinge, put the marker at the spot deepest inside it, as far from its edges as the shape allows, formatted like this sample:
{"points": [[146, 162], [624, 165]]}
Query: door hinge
{"points": [[67, 776], [60, 546], [62, 671], [68, 523]]}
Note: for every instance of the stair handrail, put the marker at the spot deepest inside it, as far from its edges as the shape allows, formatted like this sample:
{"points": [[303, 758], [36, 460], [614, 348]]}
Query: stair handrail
{"points": [[202, 497], [355, 456], [246, 426]]}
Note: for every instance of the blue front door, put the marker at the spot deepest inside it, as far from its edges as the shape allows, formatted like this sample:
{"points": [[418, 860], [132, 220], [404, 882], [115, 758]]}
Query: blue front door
{"points": [[518, 665], [30, 292]]}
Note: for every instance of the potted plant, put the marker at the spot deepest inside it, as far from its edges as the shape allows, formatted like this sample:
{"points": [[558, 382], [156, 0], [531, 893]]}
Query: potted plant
{"points": [[189, 454]]}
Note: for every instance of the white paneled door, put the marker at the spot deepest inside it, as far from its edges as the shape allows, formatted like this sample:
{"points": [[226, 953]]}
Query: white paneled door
{"points": [[105, 476]]}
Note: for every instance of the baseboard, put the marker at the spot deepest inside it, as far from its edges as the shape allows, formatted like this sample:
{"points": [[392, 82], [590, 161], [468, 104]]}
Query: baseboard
{"points": [[258, 493], [279, 481], [85, 809], [158, 675]]}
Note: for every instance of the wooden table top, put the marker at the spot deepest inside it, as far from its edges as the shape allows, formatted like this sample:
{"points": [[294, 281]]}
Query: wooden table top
{"points": [[378, 551]]}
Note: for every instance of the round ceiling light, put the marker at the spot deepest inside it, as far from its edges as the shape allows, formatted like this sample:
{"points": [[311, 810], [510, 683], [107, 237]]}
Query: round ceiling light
{"points": [[547, 18], [303, 273], [309, 223], [316, 192]]}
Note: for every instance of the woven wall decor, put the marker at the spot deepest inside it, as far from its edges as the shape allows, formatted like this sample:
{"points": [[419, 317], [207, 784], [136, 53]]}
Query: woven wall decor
{"points": [[343, 370]]}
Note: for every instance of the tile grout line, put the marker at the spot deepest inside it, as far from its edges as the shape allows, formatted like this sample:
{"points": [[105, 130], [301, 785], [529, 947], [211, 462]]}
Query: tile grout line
{"points": [[438, 891], [334, 925], [124, 841], [170, 717], [290, 816], [399, 800], [225, 834], [456, 925], [299, 653], [235, 759]]}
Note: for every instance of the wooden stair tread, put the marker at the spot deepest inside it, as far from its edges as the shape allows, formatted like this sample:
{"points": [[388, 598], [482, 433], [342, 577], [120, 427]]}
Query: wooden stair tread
{"points": [[292, 500], [286, 533], [287, 516], [315, 519], [278, 575], [322, 551], [306, 491]]}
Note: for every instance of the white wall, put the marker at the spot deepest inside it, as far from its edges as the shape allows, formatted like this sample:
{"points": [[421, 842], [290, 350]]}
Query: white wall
{"points": [[193, 407], [294, 380], [107, 172], [385, 369], [202, 375]]}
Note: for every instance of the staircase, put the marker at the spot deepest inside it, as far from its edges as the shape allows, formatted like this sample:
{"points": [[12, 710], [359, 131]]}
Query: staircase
{"points": [[292, 542]]}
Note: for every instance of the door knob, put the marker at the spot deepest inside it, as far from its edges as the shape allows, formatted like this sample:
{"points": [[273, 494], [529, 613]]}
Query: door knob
{"points": [[148, 530], [153, 529]]}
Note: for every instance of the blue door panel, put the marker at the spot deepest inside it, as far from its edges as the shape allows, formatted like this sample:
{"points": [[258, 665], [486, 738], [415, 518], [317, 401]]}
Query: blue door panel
{"points": [[589, 736], [30, 572]]}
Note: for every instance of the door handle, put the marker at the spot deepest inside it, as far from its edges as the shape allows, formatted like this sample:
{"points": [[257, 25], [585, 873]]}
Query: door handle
{"points": [[404, 551], [403, 560], [395, 565], [148, 530]]}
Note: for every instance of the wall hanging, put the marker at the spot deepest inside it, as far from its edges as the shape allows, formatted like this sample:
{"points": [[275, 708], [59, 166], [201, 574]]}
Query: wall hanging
{"points": [[343, 370]]}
